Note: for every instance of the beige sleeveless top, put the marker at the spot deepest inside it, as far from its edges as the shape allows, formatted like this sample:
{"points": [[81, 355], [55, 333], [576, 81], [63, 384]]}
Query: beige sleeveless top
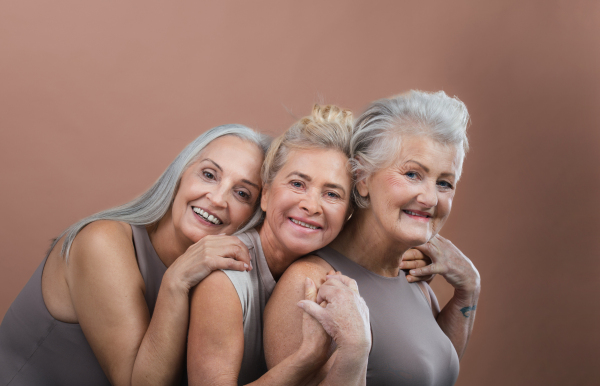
{"points": [[254, 289]]}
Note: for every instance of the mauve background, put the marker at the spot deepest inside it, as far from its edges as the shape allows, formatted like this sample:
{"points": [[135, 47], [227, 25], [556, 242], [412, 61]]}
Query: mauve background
{"points": [[96, 98]]}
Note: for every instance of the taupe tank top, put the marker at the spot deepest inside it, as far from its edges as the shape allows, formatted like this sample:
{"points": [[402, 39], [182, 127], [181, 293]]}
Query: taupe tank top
{"points": [[409, 348], [36, 349]]}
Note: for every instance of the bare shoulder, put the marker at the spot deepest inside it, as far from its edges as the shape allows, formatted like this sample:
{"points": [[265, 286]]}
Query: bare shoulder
{"points": [[217, 283], [311, 266], [101, 232], [104, 246]]}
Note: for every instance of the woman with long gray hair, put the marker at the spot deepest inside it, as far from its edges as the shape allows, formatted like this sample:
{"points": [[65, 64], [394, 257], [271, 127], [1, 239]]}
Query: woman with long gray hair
{"points": [[110, 302], [408, 153]]}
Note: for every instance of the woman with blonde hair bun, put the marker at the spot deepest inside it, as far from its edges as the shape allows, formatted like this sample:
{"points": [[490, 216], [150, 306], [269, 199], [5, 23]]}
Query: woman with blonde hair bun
{"points": [[306, 199], [407, 154]]}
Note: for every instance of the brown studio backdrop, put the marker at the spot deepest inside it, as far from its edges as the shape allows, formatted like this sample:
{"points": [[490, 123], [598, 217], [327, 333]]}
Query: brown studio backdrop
{"points": [[97, 98]]}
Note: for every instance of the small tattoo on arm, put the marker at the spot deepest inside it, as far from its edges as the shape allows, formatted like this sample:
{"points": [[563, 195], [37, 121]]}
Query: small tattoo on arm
{"points": [[465, 310]]}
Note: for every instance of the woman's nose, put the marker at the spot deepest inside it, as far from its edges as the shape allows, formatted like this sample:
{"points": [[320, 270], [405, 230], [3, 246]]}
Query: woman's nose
{"points": [[217, 197], [428, 196], [310, 203]]}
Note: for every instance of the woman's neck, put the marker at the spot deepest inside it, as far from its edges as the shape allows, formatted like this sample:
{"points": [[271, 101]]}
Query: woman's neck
{"points": [[363, 241], [278, 258], [165, 241]]}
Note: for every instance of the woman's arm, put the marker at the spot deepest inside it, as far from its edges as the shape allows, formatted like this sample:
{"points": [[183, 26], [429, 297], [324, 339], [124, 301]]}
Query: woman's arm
{"points": [[282, 319], [107, 293], [458, 316], [216, 340]]}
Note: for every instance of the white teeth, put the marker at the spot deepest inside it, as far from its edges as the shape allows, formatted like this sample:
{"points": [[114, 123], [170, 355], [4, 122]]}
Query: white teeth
{"points": [[301, 223], [207, 217], [415, 214]]}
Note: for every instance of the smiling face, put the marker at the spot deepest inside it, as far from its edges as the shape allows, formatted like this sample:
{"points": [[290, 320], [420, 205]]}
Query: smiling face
{"points": [[411, 199], [306, 204], [218, 192]]}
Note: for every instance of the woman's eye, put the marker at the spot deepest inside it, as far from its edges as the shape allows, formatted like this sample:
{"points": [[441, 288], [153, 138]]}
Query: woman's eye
{"points": [[445, 184], [208, 175], [333, 195], [296, 184], [412, 175], [243, 194]]}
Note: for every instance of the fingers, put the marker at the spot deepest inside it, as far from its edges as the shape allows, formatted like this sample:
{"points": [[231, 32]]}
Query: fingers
{"points": [[430, 269], [413, 264], [212, 248], [227, 263], [311, 308], [310, 290], [413, 254], [345, 280], [414, 279]]}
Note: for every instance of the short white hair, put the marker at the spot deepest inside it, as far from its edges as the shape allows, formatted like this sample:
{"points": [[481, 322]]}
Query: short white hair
{"points": [[379, 130]]}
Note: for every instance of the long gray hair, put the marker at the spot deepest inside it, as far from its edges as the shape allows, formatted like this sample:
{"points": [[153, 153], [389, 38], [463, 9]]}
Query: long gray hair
{"points": [[152, 205]]}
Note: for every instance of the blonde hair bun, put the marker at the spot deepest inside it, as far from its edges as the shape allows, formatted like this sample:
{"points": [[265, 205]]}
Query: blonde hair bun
{"points": [[328, 127]]}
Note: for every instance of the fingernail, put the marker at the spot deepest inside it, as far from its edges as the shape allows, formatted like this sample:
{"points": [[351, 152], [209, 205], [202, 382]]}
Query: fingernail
{"points": [[245, 265], [413, 272], [300, 304]]}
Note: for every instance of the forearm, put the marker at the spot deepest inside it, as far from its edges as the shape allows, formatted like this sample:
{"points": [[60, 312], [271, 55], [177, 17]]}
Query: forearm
{"points": [[458, 316], [349, 367], [161, 354], [296, 369]]}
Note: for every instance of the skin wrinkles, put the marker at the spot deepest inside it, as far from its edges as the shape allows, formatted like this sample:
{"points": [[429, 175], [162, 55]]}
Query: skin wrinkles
{"points": [[419, 180], [226, 170], [305, 191]]}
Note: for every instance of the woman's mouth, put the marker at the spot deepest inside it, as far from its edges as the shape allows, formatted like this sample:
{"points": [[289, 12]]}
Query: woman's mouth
{"points": [[303, 224], [423, 215], [208, 217]]}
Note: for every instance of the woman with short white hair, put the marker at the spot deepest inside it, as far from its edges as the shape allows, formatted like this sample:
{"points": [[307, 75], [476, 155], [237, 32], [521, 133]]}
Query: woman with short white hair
{"points": [[408, 153]]}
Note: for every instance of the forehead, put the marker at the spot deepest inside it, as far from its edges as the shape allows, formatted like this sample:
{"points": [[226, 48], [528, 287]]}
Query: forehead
{"points": [[323, 164], [438, 157], [234, 155]]}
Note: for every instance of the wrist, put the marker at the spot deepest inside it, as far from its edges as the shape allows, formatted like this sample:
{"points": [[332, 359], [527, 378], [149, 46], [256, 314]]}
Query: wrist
{"points": [[352, 359], [174, 286], [355, 349]]}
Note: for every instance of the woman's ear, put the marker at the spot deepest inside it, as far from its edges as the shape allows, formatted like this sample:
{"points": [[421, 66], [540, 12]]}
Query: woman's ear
{"points": [[361, 186]]}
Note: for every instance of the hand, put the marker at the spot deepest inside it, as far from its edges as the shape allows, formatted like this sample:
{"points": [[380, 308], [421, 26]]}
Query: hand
{"points": [[314, 338], [449, 262], [346, 316], [211, 253], [413, 259]]}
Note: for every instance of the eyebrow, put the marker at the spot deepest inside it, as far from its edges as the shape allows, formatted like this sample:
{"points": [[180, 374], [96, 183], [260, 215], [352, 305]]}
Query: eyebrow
{"points": [[309, 179], [301, 175], [221, 169], [214, 163], [427, 169], [251, 183]]}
